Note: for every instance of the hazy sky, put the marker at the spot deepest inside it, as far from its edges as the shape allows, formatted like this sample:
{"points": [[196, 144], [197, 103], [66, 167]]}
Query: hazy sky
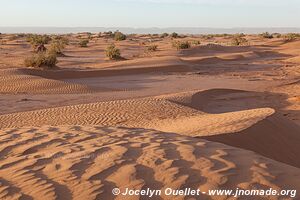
{"points": [[150, 13]]}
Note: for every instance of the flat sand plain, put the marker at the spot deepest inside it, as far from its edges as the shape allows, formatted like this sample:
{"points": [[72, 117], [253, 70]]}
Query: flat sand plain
{"points": [[213, 116]]}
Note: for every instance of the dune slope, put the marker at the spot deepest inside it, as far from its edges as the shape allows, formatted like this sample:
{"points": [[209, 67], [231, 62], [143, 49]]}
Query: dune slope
{"points": [[79, 162]]}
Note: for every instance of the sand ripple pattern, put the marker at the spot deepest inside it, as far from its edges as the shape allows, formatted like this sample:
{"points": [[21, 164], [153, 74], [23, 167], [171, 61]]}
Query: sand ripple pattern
{"points": [[153, 113], [14, 81], [77, 162]]}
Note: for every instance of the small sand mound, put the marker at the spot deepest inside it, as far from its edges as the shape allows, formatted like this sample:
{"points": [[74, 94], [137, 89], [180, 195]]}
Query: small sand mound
{"points": [[13, 82], [76, 162]]}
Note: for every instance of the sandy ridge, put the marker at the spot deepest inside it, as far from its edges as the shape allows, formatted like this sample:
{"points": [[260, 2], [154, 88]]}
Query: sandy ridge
{"points": [[155, 113]]}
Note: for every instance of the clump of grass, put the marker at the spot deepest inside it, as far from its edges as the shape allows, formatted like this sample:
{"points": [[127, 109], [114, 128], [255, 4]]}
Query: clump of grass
{"points": [[152, 48], [239, 41], [119, 36], [266, 35], [112, 52], [83, 43], [41, 60], [181, 44]]}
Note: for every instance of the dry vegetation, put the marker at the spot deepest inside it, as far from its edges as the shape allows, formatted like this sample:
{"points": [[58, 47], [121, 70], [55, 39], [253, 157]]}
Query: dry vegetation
{"points": [[118, 36], [152, 48], [41, 60], [181, 44], [83, 43], [112, 52]]}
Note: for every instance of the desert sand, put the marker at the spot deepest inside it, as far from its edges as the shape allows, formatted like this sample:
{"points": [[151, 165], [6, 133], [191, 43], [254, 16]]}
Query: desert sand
{"points": [[214, 116]]}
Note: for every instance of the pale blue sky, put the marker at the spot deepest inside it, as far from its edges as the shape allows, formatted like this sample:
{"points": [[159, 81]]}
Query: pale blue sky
{"points": [[150, 13]]}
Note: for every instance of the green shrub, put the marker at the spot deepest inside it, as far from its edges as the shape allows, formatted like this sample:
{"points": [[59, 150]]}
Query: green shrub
{"points": [[267, 35], [112, 52], [152, 47], [119, 36], [83, 43], [174, 35], [181, 45], [41, 60]]}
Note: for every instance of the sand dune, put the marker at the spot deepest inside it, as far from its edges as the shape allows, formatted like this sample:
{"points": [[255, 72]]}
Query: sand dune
{"points": [[78, 162], [14, 81], [156, 113], [273, 137]]}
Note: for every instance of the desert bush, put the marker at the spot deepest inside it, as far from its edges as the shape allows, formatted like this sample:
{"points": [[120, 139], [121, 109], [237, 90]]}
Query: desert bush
{"points": [[267, 35], [61, 39], [108, 34], [181, 44], [41, 60], [276, 35], [207, 37], [112, 52], [58, 44], [195, 42], [222, 35], [38, 42], [291, 37], [40, 48], [174, 35], [164, 35], [83, 43], [89, 35], [57, 48], [118, 36], [239, 41], [152, 47]]}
